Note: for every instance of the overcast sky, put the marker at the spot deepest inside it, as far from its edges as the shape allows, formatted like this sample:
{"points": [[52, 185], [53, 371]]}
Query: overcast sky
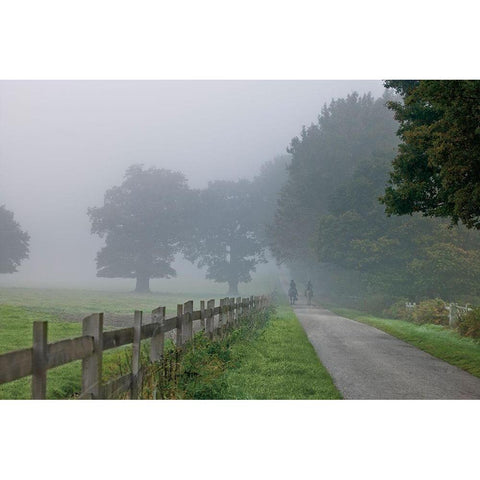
{"points": [[63, 143]]}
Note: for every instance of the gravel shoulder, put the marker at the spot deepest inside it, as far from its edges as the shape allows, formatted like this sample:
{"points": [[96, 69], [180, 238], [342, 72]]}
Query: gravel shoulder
{"points": [[366, 363]]}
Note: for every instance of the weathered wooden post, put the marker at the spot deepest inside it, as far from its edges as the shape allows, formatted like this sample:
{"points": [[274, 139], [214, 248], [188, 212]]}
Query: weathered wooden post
{"points": [[39, 360], [158, 338], [136, 355], [238, 310], [187, 321], [92, 365], [203, 316], [231, 313], [179, 325], [221, 314], [210, 318]]}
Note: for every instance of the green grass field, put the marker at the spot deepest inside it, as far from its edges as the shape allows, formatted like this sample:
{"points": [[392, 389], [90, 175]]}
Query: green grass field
{"points": [[439, 341], [84, 302], [280, 364], [20, 307]]}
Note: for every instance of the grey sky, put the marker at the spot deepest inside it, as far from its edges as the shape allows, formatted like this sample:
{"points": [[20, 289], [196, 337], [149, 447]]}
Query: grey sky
{"points": [[63, 143]]}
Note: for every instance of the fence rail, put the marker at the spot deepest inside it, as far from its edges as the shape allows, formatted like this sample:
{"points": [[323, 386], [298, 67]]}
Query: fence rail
{"points": [[455, 311], [89, 347]]}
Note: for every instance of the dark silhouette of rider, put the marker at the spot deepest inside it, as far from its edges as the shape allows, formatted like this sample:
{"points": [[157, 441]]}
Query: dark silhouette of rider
{"points": [[292, 291], [309, 292]]}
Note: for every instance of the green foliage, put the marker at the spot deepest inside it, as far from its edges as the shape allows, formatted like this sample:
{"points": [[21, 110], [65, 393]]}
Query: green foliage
{"points": [[225, 236], [398, 310], [143, 222], [436, 170], [349, 131], [431, 311], [14, 242], [196, 371], [409, 256], [469, 324]]}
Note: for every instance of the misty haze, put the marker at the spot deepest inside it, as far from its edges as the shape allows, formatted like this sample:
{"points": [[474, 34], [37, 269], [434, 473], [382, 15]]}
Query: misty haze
{"points": [[64, 143], [275, 239]]}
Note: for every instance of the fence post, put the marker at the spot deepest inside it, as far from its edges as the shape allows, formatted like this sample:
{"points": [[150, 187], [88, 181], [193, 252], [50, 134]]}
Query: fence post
{"points": [[227, 312], [92, 365], [220, 315], [210, 318], [39, 360], [179, 324], [136, 355], [238, 309], [158, 338], [187, 321], [231, 313], [202, 315]]}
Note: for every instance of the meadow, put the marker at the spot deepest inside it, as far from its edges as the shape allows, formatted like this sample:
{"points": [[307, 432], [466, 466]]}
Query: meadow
{"points": [[279, 363]]}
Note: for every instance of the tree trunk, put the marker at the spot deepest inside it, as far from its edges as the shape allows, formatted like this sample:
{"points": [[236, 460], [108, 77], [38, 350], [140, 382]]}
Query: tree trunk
{"points": [[143, 284], [232, 287]]}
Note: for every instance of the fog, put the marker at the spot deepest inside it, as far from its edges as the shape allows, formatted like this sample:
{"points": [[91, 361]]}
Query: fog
{"points": [[63, 143]]}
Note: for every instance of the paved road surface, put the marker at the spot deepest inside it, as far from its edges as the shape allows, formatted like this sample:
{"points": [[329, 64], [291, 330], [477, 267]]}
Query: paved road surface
{"points": [[366, 363]]}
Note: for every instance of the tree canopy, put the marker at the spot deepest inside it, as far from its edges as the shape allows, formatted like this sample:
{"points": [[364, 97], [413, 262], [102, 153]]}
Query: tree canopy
{"points": [[226, 237], [143, 222], [409, 256], [349, 130], [330, 225], [14, 242], [436, 171]]}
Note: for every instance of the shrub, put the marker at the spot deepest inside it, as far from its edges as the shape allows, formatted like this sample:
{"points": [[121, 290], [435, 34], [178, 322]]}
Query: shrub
{"points": [[431, 311], [469, 324], [399, 311]]}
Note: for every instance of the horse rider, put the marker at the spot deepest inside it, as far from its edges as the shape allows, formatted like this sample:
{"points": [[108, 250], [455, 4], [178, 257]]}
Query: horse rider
{"points": [[292, 291]]}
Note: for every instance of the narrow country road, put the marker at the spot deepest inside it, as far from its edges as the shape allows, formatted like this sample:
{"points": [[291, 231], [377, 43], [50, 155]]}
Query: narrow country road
{"points": [[366, 363]]}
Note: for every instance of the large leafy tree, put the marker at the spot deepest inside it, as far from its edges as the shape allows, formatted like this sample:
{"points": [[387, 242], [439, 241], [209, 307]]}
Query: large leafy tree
{"points": [[349, 130], [408, 256], [143, 222], [14, 242], [437, 169], [226, 237]]}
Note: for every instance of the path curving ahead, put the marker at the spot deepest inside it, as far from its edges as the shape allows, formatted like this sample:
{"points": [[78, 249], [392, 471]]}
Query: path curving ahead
{"points": [[366, 363]]}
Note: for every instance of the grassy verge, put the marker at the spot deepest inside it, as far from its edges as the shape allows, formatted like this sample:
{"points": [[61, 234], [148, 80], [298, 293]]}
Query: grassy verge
{"points": [[439, 341], [268, 356], [280, 364]]}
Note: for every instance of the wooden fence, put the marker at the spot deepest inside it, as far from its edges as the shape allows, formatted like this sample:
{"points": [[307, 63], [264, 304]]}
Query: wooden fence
{"points": [[455, 311], [90, 346]]}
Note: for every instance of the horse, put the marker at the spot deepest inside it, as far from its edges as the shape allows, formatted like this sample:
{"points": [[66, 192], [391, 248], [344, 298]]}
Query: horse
{"points": [[309, 295], [292, 294]]}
